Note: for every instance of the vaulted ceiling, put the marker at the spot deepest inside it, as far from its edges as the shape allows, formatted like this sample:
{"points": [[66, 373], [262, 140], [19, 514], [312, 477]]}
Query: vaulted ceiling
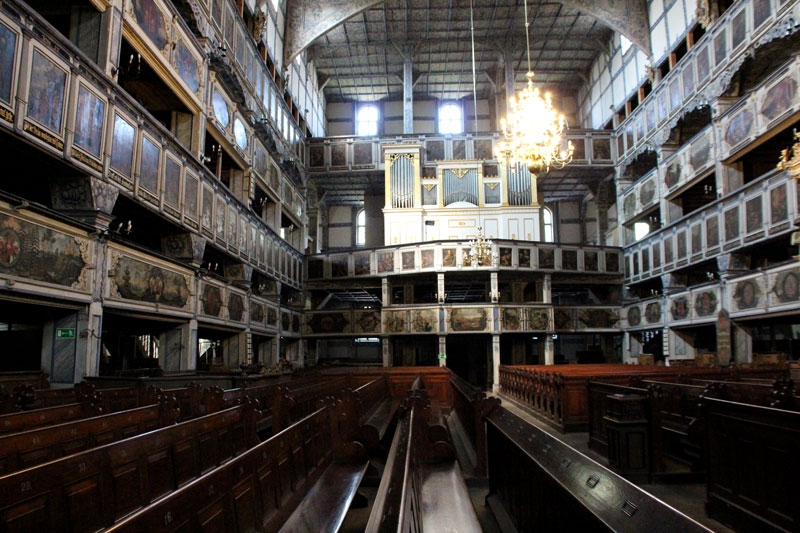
{"points": [[359, 47]]}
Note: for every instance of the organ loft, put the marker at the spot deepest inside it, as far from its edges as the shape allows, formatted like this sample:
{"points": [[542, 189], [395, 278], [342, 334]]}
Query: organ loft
{"points": [[497, 265]]}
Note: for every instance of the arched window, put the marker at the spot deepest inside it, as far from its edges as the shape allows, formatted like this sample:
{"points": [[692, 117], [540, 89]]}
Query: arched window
{"points": [[547, 225], [451, 119], [367, 120], [361, 228]]}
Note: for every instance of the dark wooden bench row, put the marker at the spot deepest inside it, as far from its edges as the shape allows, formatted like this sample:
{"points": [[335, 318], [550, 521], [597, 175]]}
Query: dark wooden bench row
{"points": [[674, 425], [752, 464], [301, 479], [25, 420], [368, 412], [422, 486], [538, 483], [36, 446], [93, 489], [471, 406]]}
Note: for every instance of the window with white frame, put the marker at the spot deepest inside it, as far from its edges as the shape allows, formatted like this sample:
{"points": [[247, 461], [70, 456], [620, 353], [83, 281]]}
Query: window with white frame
{"points": [[367, 120], [451, 119], [547, 225], [361, 228]]}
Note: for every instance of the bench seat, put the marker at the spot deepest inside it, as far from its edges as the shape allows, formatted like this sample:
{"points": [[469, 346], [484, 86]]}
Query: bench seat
{"points": [[376, 422], [445, 499], [326, 503]]}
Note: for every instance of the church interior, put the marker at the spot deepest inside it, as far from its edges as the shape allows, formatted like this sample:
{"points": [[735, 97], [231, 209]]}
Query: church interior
{"points": [[372, 265]]}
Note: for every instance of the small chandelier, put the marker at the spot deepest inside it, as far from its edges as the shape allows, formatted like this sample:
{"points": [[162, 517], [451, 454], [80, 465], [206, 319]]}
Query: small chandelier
{"points": [[481, 251], [532, 131]]}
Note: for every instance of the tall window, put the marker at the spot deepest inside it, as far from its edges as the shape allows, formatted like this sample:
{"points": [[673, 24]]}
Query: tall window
{"points": [[547, 225], [361, 228], [367, 120], [451, 119], [624, 44]]}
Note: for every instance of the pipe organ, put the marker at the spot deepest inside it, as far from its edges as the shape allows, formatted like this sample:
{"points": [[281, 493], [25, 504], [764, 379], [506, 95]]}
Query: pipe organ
{"points": [[454, 198]]}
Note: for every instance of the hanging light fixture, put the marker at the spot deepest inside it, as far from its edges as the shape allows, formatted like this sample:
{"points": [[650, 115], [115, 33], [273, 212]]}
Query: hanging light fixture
{"points": [[481, 251], [532, 132]]}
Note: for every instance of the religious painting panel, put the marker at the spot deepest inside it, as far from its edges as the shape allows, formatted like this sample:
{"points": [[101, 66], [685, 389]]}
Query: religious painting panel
{"points": [[38, 253], [668, 257], [512, 319], [739, 25], [190, 189], [46, 93], [323, 323], [367, 321], [655, 252], [645, 260], [468, 319], [629, 205], [697, 239], [640, 126], [675, 99], [754, 215], [207, 216], [700, 154], [601, 149], [151, 20], [408, 260], [186, 64], [483, 149], [361, 264], [732, 223], [679, 308], [525, 257], [133, 279], [546, 258], [424, 321], [712, 231], [221, 109], [634, 316], [316, 156], [739, 128], [702, 64], [338, 155], [235, 307], [761, 12], [257, 313], [339, 266], [122, 146], [242, 234], [148, 167], [747, 294], [652, 312], [673, 174], [385, 262], [589, 261], [221, 210], [662, 105], [650, 111], [680, 245], [505, 256], [786, 286], [395, 321], [597, 318], [8, 54], [240, 134], [612, 262], [426, 258], [362, 154], [777, 202], [210, 300], [687, 76], [172, 183], [647, 193], [705, 303], [778, 99], [231, 230], [720, 47], [538, 319], [89, 120], [569, 259], [434, 150]]}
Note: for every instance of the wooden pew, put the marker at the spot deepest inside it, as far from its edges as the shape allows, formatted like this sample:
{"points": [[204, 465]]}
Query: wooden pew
{"points": [[95, 488], [538, 483], [369, 411], [752, 463], [292, 405], [25, 420], [422, 486], [36, 446], [301, 479], [26, 397], [112, 400], [471, 406]]}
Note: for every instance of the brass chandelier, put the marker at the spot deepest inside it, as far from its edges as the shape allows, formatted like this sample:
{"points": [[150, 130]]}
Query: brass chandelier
{"points": [[532, 131]]}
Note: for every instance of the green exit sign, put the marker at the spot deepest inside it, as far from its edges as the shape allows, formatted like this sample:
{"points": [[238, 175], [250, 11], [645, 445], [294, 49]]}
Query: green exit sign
{"points": [[65, 333]]}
